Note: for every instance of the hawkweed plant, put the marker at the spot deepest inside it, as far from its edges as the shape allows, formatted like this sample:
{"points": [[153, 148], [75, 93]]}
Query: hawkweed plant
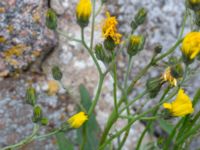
{"points": [[174, 102]]}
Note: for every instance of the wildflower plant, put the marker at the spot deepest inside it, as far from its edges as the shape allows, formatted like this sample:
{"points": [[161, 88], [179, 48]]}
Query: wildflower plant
{"points": [[169, 85]]}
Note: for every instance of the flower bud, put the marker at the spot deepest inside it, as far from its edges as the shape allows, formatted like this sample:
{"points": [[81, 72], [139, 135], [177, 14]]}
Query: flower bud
{"points": [[51, 19], [101, 54], [177, 71], [56, 72], [158, 48], [37, 114], [153, 86], [99, 51], [136, 44], [31, 96], [109, 44], [44, 121], [83, 12], [139, 19]]}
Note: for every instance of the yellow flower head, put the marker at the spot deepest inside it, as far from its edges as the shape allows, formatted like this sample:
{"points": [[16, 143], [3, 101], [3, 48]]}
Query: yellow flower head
{"points": [[109, 29], [181, 106], [83, 11], [167, 76], [77, 120], [191, 45]]}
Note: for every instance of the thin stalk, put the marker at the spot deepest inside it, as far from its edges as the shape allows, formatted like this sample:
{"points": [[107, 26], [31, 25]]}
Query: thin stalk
{"points": [[68, 37], [90, 52], [93, 24], [99, 10], [150, 123], [46, 135], [25, 141], [115, 87], [94, 102], [84, 137]]}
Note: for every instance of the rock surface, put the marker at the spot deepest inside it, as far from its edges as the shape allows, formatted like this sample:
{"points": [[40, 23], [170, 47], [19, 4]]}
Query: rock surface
{"points": [[23, 35]]}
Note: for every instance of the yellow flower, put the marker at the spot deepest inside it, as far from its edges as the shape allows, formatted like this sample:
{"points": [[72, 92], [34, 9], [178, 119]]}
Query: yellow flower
{"points": [[83, 12], [167, 76], [109, 29], [181, 106], [77, 120], [136, 44], [191, 45]]}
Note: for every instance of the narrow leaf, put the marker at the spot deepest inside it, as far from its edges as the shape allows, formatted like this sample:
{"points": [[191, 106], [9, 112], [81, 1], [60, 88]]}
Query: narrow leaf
{"points": [[63, 142]]}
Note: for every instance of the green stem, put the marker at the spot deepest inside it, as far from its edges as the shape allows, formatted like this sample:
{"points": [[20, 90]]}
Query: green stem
{"points": [[84, 133], [25, 141], [115, 87], [90, 52], [94, 102], [93, 24], [68, 37], [99, 10], [46, 135], [150, 123]]}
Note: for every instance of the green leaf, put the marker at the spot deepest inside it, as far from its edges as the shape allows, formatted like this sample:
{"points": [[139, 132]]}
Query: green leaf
{"points": [[196, 97], [166, 126], [92, 127], [63, 142]]}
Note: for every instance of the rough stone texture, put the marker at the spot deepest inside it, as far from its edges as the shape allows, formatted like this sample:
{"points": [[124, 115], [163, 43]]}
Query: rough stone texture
{"points": [[23, 34], [163, 23]]}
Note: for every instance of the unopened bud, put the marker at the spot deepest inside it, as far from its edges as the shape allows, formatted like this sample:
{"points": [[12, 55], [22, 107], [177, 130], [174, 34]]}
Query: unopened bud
{"points": [[31, 96], [44, 121], [177, 71], [158, 48], [136, 44], [37, 114], [139, 18], [56, 73], [109, 44], [51, 19], [153, 86]]}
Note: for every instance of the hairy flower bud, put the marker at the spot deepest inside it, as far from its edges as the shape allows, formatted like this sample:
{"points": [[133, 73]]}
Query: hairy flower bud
{"points": [[51, 19], [153, 86], [37, 114], [139, 18], [56, 73], [136, 44], [101, 54], [44, 121], [31, 96], [109, 44], [158, 48]]}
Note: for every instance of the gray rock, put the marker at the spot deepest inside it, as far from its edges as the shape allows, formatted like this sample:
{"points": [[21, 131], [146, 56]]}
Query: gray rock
{"points": [[23, 34]]}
